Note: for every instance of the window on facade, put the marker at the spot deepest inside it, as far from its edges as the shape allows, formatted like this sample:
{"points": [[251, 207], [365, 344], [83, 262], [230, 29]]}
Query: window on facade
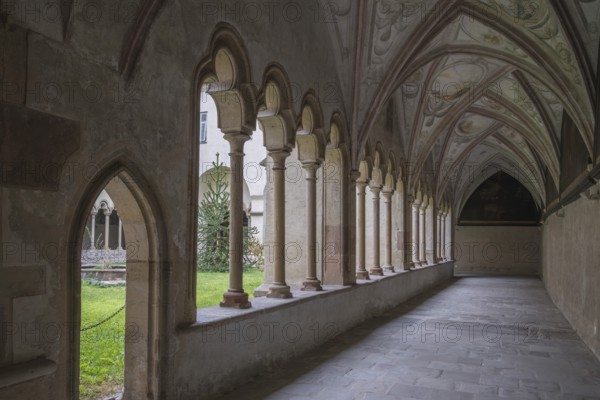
{"points": [[203, 128]]}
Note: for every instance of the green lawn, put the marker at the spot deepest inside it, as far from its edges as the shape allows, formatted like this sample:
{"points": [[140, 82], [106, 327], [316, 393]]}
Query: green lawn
{"points": [[212, 285], [102, 347]]}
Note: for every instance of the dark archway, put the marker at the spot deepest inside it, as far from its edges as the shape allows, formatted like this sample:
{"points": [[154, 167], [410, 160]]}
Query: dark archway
{"points": [[500, 200]]}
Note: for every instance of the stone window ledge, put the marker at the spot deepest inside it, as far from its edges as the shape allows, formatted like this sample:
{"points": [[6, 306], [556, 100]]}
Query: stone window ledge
{"points": [[216, 315], [19, 373]]}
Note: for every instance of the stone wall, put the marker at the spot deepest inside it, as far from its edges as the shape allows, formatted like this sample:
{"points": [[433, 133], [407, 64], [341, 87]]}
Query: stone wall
{"points": [[275, 331], [72, 105], [571, 267], [497, 250]]}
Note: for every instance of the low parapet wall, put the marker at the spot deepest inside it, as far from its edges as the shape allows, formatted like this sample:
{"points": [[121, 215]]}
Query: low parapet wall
{"points": [[227, 347]]}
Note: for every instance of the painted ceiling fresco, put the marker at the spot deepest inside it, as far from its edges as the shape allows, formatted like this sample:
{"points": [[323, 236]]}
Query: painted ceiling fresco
{"points": [[477, 85]]}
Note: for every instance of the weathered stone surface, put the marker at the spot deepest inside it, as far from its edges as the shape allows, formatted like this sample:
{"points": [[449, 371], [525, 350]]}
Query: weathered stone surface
{"points": [[13, 63], [570, 267], [498, 250], [414, 351], [276, 330], [34, 147], [22, 281]]}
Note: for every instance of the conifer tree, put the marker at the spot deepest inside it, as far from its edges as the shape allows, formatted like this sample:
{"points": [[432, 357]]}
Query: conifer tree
{"points": [[213, 226]]}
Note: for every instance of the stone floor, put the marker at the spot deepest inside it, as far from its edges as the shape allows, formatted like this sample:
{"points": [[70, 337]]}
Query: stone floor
{"points": [[473, 338]]}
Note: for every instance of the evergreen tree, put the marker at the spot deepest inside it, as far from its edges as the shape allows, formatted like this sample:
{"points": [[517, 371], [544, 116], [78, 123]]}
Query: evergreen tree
{"points": [[213, 227]]}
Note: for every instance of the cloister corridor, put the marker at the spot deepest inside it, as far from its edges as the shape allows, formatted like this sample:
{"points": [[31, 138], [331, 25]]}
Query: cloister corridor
{"points": [[473, 337]]}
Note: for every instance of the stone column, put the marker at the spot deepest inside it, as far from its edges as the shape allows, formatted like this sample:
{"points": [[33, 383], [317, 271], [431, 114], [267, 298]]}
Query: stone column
{"points": [[387, 201], [443, 233], [311, 282], [107, 213], [415, 232], [105, 252], [93, 230], [376, 267], [361, 271], [449, 235], [422, 260], [120, 234], [430, 232], [235, 296], [349, 228], [279, 288], [407, 212], [438, 224]]}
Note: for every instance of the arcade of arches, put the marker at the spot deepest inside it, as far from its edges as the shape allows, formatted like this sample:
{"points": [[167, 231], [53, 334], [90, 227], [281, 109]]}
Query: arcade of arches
{"points": [[407, 144]]}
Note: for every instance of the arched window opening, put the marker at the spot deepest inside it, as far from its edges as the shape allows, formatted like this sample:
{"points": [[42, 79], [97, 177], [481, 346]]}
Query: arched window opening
{"points": [[213, 225]]}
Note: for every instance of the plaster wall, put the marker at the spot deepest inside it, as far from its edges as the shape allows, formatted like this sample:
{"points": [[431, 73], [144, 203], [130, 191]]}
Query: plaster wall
{"points": [[570, 267], [497, 250]]}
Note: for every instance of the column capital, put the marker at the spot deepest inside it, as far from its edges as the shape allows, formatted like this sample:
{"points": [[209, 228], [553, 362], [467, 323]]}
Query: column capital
{"points": [[375, 188], [311, 168], [387, 194], [311, 165], [354, 175], [236, 141], [361, 185], [278, 157]]}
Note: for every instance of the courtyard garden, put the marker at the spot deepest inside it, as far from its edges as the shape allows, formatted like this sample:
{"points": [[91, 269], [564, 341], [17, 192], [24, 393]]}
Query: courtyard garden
{"points": [[102, 347]]}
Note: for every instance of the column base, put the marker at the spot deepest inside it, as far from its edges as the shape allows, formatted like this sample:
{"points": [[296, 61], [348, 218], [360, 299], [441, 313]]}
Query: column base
{"points": [[377, 271], [312, 285], [235, 300], [389, 269], [362, 275], [279, 291], [262, 290], [408, 266]]}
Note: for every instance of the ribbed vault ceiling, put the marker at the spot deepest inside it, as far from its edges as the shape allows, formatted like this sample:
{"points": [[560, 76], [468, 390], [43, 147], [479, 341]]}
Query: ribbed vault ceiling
{"points": [[478, 86]]}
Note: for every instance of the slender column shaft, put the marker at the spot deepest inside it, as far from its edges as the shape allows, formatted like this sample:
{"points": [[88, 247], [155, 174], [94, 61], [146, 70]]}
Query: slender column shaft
{"points": [[120, 235], [236, 297], [398, 235], [449, 235], [376, 267], [422, 260], [93, 231], [438, 220], [311, 282], [361, 272], [106, 228], [279, 288], [407, 202], [443, 240], [415, 234], [430, 232], [106, 256], [387, 201]]}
